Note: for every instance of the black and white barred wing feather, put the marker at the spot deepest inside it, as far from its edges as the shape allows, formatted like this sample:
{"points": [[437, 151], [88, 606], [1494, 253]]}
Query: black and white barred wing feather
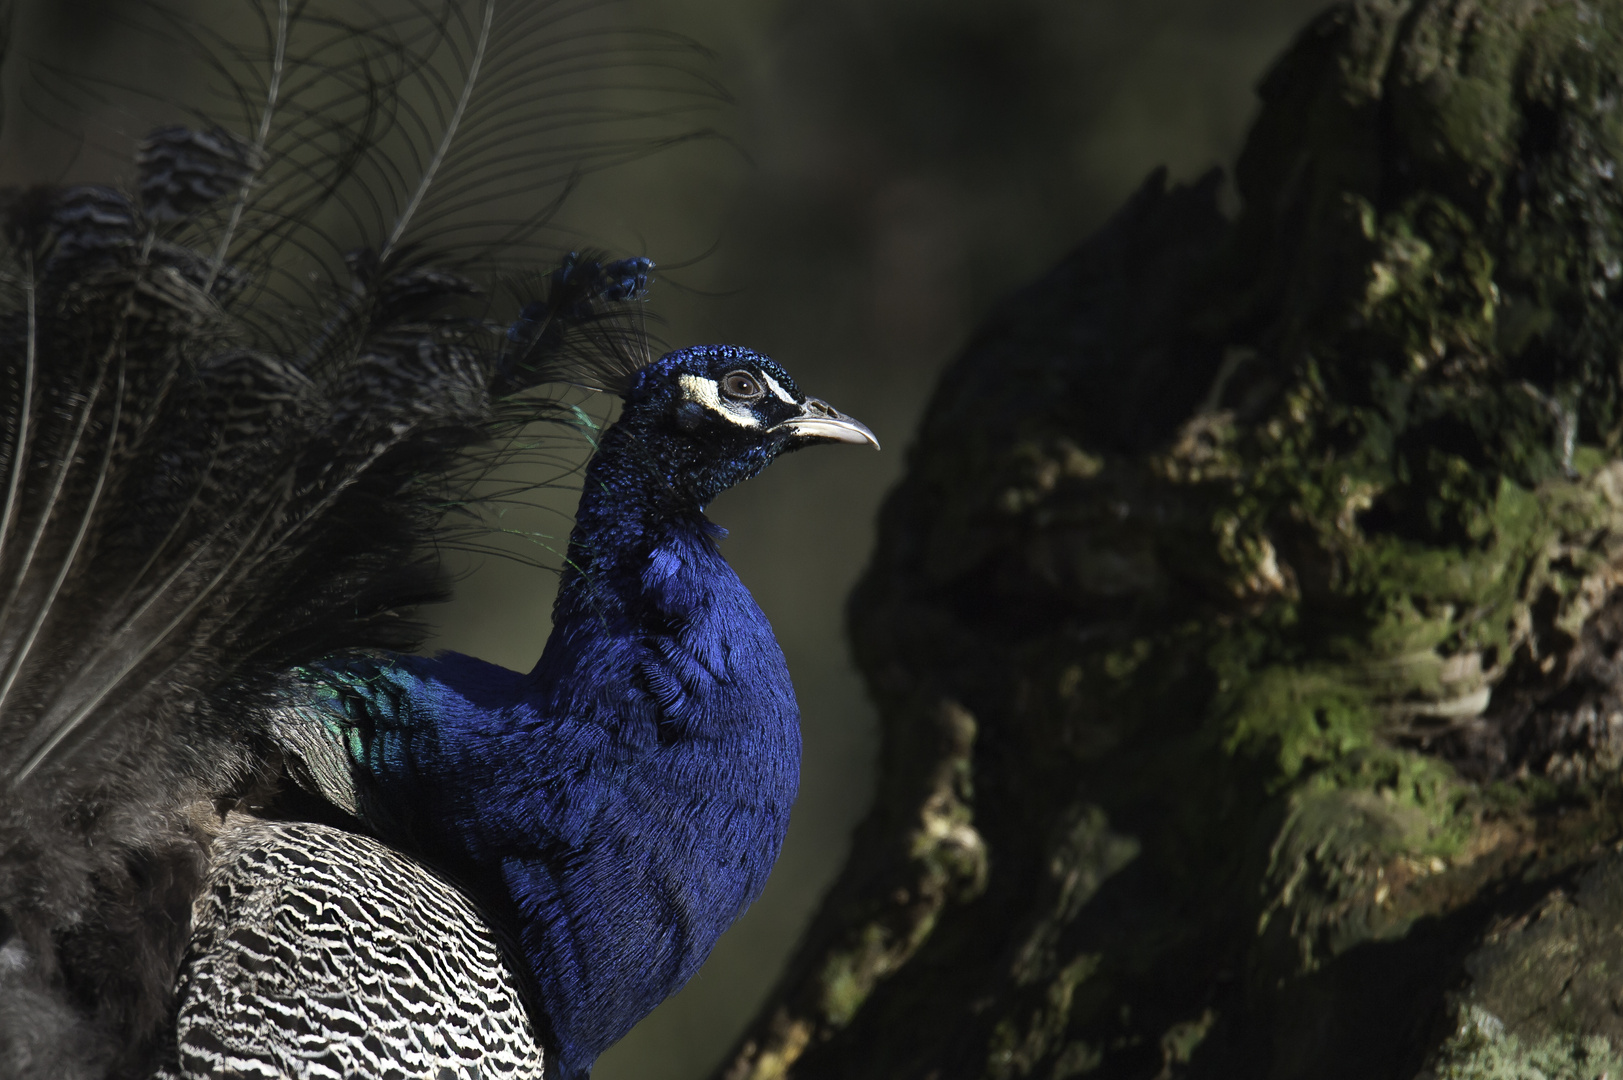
{"points": [[236, 398], [357, 957]]}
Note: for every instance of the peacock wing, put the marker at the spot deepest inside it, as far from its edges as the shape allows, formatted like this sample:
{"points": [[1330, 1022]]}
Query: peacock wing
{"points": [[319, 952]]}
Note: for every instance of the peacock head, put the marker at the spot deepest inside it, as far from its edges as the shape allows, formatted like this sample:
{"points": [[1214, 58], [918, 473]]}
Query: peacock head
{"points": [[718, 415]]}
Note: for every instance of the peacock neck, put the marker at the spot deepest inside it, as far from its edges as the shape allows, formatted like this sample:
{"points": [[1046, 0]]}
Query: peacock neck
{"points": [[636, 495]]}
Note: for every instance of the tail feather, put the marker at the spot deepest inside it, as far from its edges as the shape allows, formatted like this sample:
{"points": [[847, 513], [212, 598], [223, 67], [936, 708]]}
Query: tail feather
{"points": [[230, 430]]}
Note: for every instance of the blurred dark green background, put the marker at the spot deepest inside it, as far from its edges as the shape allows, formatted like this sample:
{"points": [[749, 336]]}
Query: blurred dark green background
{"points": [[889, 169]]}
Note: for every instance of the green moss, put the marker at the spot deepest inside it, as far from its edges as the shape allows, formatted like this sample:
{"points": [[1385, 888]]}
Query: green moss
{"points": [[1181, 1040], [1296, 716], [1120, 664], [1351, 831], [848, 976], [1482, 1050], [945, 862], [1015, 1048]]}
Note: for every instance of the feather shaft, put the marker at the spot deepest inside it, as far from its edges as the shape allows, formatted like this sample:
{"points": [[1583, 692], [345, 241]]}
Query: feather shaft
{"points": [[20, 451], [20, 655], [447, 136], [273, 91]]}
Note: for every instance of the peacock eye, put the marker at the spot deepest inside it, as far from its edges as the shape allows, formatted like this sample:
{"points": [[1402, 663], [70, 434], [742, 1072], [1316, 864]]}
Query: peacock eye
{"points": [[741, 386]]}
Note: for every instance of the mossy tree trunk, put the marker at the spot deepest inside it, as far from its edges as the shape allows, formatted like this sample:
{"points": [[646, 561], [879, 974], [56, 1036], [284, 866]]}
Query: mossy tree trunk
{"points": [[1248, 629]]}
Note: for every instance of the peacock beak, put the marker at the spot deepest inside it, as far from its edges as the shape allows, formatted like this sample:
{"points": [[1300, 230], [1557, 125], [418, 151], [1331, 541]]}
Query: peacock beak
{"points": [[820, 421]]}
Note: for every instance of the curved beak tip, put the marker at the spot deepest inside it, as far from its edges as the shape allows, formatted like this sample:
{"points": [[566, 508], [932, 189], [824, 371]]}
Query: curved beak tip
{"points": [[858, 434], [830, 429]]}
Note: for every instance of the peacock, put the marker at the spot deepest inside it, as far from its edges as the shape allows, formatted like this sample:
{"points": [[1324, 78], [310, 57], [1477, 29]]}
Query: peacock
{"points": [[247, 399]]}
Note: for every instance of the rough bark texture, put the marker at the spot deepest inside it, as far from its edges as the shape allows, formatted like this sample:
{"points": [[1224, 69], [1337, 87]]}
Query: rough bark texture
{"points": [[1249, 628]]}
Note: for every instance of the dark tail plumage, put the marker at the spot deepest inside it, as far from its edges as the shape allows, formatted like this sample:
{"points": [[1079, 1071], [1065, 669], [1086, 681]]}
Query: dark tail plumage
{"points": [[236, 401]]}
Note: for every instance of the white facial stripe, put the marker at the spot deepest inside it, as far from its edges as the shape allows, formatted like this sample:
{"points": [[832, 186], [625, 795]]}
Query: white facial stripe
{"points": [[776, 389], [707, 393]]}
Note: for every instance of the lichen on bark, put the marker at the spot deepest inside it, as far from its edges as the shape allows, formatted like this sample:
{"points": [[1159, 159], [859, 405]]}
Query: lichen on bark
{"points": [[1269, 571]]}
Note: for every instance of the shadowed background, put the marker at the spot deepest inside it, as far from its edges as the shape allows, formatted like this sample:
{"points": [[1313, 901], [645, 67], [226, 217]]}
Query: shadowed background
{"points": [[887, 170]]}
